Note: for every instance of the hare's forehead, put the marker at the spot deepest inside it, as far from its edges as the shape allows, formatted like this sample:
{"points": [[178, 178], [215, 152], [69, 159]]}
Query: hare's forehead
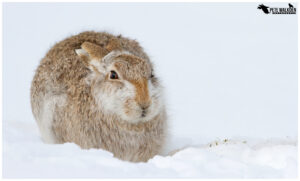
{"points": [[132, 67]]}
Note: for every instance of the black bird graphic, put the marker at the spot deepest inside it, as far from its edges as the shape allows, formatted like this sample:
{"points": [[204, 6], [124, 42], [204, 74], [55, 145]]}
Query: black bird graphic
{"points": [[263, 8], [291, 6]]}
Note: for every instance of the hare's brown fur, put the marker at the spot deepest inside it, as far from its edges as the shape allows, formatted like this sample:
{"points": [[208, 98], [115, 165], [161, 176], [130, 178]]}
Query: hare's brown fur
{"points": [[59, 87]]}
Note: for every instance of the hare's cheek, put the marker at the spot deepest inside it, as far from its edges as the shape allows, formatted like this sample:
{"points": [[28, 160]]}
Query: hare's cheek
{"points": [[156, 98], [154, 91], [107, 98]]}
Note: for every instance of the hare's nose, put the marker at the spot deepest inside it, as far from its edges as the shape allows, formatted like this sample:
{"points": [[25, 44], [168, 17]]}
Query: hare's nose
{"points": [[143, 113], [144, 106]]}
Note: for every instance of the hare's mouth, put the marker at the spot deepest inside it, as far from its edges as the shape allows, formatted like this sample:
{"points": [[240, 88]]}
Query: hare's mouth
{"points": [[138, 116], [143, 114]]}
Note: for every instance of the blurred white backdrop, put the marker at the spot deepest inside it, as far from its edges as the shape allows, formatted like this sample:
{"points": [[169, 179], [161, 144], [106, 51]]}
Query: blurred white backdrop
{"points": [[228, 69]]}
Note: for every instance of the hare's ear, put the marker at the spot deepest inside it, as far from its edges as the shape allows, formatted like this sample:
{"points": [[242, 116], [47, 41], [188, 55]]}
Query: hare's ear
{"points": [[91, 51], [91, 54]]}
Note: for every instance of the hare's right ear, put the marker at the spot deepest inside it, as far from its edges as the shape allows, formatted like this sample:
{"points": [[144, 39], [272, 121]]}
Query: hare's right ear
{"points": [[91, 55]]}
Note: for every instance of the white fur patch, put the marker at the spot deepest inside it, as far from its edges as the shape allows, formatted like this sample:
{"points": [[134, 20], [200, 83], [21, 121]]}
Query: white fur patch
{"points": [[155, 94], [100, 66], [95, 62], [81, 52], [113, 101], [46, 119]]}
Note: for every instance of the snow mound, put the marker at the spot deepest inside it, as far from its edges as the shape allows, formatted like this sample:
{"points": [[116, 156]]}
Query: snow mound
{"points": [[26, 156]]}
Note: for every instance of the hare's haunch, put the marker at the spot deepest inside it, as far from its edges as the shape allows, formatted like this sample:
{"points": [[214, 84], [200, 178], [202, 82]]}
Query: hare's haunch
{"points": [[99, 91]]}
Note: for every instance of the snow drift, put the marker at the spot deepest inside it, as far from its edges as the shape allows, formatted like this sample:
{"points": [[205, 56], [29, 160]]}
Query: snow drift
{"points": [[26, 156]]}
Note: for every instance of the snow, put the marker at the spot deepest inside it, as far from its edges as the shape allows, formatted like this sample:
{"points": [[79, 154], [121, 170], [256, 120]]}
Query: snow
{"points": [[26, 156], [229, 72]]}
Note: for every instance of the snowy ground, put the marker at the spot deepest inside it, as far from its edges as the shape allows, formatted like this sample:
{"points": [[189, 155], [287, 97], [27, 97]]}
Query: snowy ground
{"points": [[25, 156]]}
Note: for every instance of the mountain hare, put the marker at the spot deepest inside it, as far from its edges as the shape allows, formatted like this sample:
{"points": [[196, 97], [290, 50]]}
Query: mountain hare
{"points": [[99, 91]]}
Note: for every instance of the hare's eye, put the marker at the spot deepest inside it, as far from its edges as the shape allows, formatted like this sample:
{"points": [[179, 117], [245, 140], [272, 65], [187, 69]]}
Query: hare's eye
{"points": [[113, 75]]}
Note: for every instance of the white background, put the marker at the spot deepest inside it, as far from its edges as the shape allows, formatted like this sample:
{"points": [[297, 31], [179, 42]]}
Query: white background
{"points": [[228, 69]]}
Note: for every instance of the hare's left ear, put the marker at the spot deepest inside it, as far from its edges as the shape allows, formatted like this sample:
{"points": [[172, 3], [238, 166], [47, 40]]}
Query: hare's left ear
{"points": [[91, 54], [91, 51]]}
